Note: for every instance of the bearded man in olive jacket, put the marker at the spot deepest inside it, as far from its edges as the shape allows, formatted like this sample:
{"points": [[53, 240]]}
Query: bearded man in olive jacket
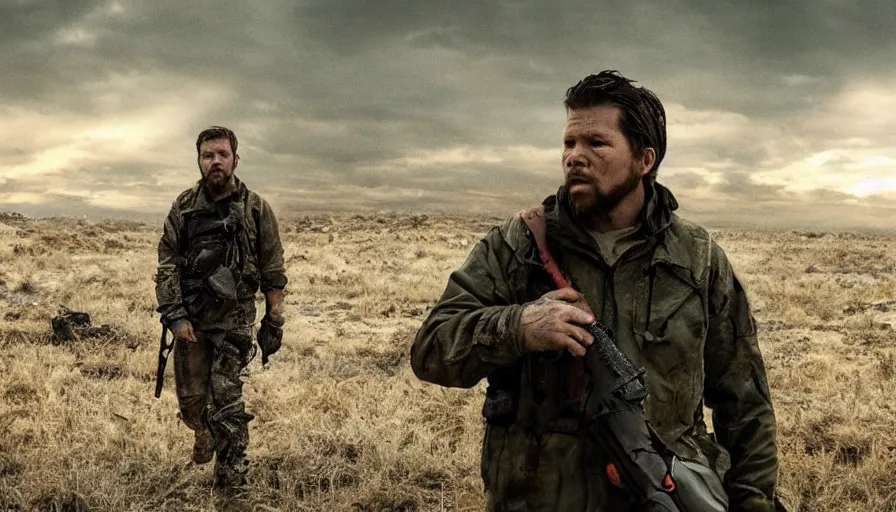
{"points": [[220, 246], [657, 281]]}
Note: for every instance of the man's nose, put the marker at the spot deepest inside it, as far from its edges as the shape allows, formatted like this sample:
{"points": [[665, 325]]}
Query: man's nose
{"points": [[574, 157]]}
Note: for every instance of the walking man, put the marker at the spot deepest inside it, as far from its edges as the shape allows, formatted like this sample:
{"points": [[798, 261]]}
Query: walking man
{"points": [[220, 246]]}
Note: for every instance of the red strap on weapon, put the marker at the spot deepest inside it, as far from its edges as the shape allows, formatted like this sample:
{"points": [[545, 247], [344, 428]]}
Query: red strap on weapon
{"points": [[534, 219], [573, 367]]}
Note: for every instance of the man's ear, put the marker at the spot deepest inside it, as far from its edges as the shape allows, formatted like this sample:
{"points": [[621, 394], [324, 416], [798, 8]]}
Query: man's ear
{"points": [[648, 158], [236, 160]]}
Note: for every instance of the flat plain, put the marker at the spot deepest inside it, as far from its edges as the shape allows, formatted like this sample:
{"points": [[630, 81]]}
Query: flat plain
{"points": [[342, 423]]}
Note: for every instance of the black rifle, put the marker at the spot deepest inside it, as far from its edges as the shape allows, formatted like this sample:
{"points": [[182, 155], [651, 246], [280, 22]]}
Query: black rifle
{"points": [[640, 461], [164, 352]]}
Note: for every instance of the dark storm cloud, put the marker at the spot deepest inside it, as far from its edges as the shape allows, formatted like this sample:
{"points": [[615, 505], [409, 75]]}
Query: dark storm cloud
{"points": [[326, 95], [740, 185]]}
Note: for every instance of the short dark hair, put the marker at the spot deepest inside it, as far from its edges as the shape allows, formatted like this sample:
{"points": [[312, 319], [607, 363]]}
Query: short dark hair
{"points": [[643, 120], [215, 133]]}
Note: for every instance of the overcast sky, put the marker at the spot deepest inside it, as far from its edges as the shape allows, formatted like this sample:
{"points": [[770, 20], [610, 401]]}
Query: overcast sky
{"points": [[779, 116]]}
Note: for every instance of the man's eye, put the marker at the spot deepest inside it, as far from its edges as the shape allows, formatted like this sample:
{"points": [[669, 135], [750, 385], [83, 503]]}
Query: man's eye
{"points": [[597, 143], [568, 144]]}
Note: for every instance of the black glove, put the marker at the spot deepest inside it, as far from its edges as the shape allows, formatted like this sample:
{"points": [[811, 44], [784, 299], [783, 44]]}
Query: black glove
{"points": [[270, 338]]}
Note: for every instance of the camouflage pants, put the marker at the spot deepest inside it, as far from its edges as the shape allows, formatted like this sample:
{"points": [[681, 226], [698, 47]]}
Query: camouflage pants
{"points": [[210, 395]]}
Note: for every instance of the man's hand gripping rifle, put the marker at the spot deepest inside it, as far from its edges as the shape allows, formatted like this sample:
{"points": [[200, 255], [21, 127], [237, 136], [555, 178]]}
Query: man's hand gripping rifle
{"points": [[613, 411]]}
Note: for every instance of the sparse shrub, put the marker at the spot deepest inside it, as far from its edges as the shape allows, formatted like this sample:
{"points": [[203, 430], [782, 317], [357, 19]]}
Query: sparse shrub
{"points": [[341, 422]]}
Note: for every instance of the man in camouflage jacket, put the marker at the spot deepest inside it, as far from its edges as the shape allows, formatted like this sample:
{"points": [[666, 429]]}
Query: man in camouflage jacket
{"points": [[221, 244], [664, 288]]}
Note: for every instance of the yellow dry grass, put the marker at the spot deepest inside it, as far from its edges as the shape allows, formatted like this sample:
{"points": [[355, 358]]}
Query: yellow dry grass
{"points": [[342, 423]]}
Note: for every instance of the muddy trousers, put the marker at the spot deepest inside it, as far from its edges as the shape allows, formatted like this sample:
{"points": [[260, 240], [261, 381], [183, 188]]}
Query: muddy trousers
{"points": [[210, 395]]}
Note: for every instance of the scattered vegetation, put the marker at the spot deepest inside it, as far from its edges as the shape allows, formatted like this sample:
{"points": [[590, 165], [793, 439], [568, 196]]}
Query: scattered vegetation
{"points": [[342, 423]]}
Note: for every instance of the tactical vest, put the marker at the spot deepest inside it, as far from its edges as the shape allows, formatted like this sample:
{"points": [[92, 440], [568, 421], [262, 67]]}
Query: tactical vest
{"points": [[213, 262]]}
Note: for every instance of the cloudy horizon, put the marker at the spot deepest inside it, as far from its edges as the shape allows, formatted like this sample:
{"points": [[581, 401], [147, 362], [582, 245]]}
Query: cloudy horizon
{"points": [[780, 116]]}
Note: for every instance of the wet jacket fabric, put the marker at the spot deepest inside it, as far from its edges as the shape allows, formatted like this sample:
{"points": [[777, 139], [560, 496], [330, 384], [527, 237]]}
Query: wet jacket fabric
{"points": [[260, 256], [676, 308]]}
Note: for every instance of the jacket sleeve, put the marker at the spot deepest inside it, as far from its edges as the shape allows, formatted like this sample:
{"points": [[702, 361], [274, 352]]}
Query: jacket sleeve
{"points": [[168, 290], [270, 250], [475, 326], [736, 389]]}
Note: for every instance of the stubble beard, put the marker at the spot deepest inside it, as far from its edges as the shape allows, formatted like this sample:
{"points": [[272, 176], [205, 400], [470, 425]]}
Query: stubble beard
{"points": [[604, 202]]}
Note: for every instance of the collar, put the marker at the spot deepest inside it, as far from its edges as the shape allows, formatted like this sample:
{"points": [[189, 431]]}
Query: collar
{"points": [[566, 230]]}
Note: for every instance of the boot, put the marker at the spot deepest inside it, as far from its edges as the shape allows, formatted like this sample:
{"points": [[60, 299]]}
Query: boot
{"points": [[231, 475]]}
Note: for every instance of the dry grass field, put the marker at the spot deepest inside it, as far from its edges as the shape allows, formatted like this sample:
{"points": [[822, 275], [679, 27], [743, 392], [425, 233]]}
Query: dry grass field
{"points": [[342, 423]]}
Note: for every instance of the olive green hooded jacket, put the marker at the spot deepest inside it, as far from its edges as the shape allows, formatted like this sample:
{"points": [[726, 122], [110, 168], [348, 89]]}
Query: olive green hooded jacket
{"points": [[676, 309]]}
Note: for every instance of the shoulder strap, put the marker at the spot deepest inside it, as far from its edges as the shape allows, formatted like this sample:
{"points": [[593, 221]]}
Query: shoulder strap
{"points": [[534, 219], [573, 369]]}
